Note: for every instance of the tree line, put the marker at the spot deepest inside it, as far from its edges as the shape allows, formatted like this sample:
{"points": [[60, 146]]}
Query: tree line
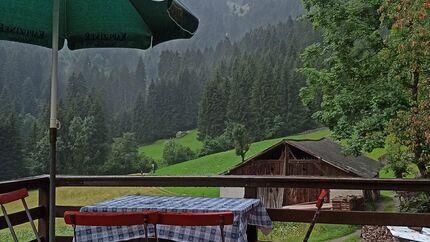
{"points": [[106, 112], [257, 87]]}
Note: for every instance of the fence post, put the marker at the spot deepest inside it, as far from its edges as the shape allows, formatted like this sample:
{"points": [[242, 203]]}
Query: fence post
{"points": [[43, 225], [251, 232]]}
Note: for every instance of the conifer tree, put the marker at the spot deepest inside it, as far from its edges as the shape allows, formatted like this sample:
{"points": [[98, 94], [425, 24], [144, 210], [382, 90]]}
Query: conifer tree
{"points": [[138, 118], [213, 108], [10, 148], [239, 105]]}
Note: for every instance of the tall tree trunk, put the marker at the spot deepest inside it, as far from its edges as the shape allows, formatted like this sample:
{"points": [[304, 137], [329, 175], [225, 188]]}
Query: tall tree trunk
{"points": [[417, 149]]}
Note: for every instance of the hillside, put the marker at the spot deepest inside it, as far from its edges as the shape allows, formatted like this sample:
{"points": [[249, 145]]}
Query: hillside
{"points": [[220, 162], [155, 150]]}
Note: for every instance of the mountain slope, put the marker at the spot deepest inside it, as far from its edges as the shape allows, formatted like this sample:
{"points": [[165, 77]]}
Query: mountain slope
{"points": [[155, 150], [220, 162]]}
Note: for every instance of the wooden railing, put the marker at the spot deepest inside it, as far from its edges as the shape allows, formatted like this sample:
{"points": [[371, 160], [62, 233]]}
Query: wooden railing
{"points": [[250, 183]]}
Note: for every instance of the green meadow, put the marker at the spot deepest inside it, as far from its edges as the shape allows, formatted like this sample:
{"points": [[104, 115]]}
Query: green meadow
{"points": [[155, 150]]}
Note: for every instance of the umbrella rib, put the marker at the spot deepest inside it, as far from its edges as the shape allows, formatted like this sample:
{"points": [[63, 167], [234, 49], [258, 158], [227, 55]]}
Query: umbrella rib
{"points": [[174, 20]]}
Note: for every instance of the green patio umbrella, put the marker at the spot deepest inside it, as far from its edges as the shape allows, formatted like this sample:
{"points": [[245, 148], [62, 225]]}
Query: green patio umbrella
{"points": [[90, 24]]}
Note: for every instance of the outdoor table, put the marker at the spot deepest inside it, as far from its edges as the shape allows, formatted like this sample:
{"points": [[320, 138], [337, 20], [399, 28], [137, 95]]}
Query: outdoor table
{"points": [[246, 211]]}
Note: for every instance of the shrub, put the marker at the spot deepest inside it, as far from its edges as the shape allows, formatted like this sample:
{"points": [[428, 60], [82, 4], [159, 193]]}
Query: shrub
{"points": [[123, 158], [174, 153], [145, 164], [215, 145], [414, 202]]}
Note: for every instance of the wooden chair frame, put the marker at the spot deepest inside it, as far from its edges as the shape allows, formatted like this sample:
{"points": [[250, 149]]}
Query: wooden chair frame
{"points": [[112, 219], [13, 196]]}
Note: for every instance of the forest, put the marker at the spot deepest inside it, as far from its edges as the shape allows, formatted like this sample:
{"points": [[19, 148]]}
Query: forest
{"points": [[110, 107]]}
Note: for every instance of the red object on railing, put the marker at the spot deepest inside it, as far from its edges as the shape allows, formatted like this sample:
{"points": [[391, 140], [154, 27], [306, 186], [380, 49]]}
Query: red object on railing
{"points": [[13, 196], [20, 194], [321, 197], [110, 219], [196, 219]]}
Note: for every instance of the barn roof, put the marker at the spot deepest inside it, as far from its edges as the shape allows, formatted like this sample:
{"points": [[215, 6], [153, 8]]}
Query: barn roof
{"points": [[331, 152]]}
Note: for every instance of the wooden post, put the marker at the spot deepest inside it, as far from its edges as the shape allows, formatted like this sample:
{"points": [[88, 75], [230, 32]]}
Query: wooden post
{"points": [[286, 173], [43, 226], [286, 159], [251, 232]]}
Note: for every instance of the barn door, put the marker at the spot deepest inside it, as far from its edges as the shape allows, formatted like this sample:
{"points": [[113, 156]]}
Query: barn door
{"points": [[272, 197], [301, 168]]}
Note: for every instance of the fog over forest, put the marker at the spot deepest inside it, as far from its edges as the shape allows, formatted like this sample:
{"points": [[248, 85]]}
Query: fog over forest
{"points": [[157, 92]]}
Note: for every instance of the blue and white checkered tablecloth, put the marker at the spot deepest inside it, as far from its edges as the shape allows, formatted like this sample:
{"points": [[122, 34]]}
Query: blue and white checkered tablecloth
{"points": [[246, 211]]}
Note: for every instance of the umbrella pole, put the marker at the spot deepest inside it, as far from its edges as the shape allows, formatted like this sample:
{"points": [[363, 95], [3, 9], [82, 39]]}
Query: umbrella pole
{"points": [[53, 118]]}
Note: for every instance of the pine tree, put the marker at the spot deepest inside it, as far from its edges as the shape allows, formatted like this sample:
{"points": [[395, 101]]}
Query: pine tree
{"points": [[149, 121], [264, 102], [138, 118], [140, 74], [213, 108], [239, 105], [10, 149], [98, 141]]}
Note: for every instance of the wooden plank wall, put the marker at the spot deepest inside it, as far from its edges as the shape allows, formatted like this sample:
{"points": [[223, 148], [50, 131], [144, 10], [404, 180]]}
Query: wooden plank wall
{"points": [[308, 167], [286, 160]]}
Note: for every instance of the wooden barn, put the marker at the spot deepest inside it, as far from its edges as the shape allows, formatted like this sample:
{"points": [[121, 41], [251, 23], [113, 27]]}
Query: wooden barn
{"points": [[304, 158]]}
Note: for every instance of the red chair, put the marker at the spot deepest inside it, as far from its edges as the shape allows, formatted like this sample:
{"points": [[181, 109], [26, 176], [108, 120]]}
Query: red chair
{"points": [[112, 219], [197, 219], [9, 197]]}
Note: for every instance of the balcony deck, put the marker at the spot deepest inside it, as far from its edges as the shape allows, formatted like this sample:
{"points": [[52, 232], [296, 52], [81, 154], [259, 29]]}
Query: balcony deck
{"points": [[250, 183]]}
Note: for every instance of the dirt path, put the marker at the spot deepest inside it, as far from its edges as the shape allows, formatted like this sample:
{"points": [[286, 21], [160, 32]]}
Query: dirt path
{"points": [[346, 237]]}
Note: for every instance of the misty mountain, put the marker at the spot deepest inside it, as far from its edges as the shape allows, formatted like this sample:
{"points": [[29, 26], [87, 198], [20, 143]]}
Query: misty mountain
{"points": [[233, 18]]}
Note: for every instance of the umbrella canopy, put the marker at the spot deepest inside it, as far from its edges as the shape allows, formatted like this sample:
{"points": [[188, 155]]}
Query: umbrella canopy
{"points": [[90, 24], [96, 23], [166, 19]]}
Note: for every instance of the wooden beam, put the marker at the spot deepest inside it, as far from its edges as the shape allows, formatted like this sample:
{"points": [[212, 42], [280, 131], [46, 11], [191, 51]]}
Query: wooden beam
{"points": [[247, 181], [292, 154], [43, 225], [21, 217], [351, 217], [319, 167], [299, 162], [267, 162], [31, 183], [286, 160]]}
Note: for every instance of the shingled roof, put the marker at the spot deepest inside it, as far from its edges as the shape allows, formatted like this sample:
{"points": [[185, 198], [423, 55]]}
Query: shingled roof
{"points": [[331, 152]]}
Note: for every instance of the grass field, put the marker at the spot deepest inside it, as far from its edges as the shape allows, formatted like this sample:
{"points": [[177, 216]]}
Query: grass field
{"points": [[155, 150], [295, 232]]}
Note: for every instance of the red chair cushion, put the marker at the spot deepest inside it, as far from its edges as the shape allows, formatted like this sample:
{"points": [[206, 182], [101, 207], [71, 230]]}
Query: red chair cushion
{"points": [[13, 196], [110, 219], [196, 219]]}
